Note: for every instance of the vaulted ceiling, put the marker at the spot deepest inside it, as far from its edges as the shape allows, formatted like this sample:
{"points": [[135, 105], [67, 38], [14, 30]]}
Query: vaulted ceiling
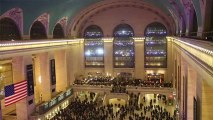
{"points": [[57, 9]]}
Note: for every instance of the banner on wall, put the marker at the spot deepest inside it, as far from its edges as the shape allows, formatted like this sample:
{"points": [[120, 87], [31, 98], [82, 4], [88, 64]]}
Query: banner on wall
{"points": [[30, 81], [52, 72]]}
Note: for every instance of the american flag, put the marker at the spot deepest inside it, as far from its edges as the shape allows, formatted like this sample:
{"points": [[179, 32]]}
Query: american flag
{"points": [[15, 92]]}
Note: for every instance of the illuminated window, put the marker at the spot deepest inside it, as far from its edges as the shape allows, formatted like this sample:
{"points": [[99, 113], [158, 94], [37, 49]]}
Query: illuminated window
{"points": [[6, 77], [155, 46], [93, 47], [58, 32], [123, 47], [9, 30], [38, 31]]}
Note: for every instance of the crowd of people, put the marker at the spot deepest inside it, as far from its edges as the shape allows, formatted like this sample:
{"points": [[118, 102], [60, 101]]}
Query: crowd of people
{"points": [[123, 81], [88, 110]]}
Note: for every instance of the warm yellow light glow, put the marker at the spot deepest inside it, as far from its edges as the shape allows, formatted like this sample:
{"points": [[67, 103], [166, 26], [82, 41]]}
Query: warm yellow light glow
{"points": [[1, 67], [39, 79], [108, 40]]}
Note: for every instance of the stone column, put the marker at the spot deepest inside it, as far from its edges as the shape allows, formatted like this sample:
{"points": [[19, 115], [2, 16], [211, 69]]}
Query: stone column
{"points": [[61, 70], [170, 63], [19, 74], [183, 91], [42, 76], [189, 23], [207, 101], [0, 112], [81, 65], [207, 15], [108, 57], [72, 63], [139, 60], [191, 92]]}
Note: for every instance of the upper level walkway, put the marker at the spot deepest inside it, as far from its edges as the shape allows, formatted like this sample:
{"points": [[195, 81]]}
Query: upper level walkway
{"points": [[130, 89]]}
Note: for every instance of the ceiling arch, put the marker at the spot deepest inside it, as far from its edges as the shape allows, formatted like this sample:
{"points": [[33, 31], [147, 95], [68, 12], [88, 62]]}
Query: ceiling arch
{"points": [[70, 8], [82, 18]]}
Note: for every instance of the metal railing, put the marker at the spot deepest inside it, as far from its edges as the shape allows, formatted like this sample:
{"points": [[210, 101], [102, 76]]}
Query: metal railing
{"points": [[208, 36]]}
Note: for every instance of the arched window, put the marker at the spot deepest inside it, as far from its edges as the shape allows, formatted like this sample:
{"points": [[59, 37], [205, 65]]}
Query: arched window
{"points": [[155, 29], [155, 46], [38, 31], [93, 31], [123, 30], [9, 30], [58, 32], [93, 47], [123, 47]]}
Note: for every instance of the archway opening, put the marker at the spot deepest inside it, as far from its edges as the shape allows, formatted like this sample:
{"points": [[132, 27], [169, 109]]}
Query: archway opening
{"points": [[9, 30], [195, 25], [58, 32], [38, 31], [117, 102]]}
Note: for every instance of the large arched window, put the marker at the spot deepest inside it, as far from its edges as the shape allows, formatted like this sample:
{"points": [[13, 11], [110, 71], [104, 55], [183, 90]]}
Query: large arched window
{"points": [[9, 30], [58, 32], [38, 31], [93, 47], [123, 30], [123, 47], [93, 31], [155, 46]]}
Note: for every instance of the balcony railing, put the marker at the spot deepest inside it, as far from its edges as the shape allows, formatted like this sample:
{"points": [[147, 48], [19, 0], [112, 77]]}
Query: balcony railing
{"points": [[201, 50]]}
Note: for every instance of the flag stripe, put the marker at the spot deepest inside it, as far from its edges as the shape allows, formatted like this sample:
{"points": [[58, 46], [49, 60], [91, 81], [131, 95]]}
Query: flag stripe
{"points": [[19, 87], [9, 103], [16, 100], [15, 92]]}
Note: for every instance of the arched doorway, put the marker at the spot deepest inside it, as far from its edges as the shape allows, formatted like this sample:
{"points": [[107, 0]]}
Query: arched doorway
{"points": [[93, 47], [58, 32], [117, 102], [38, 31], [9, 30], [123, 46]]}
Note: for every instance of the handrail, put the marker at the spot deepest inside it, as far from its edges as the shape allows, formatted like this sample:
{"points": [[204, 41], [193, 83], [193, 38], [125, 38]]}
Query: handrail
{"points": [[203, 46], [202, 50], [203, 35]]}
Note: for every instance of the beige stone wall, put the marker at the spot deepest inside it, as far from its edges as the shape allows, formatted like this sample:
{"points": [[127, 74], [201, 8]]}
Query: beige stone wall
{"points": [[137, 18], [138, 72]]}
